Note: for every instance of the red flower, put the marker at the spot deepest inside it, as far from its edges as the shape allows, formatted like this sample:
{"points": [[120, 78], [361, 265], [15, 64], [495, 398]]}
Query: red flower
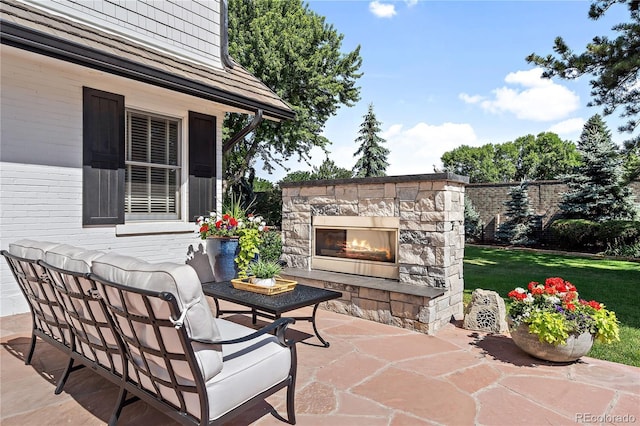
{"points": [[595, 305], [571, 306], [533, 285], [571, 295], [554, 282], [204, 228], [517, 295], [233, 221], [225, 217], [550, 290], [219, 224], [537, 291]]}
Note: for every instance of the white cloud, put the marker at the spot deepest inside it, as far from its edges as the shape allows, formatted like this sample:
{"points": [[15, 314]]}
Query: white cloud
{"points": [[418, 149], [529, 78], [470, 99], [411, 3], [538, 99], [568, 127], [382, 10]]}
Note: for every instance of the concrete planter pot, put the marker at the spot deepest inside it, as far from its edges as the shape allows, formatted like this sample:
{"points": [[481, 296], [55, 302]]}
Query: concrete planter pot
{"points": [[576, 346], [263, 282]]}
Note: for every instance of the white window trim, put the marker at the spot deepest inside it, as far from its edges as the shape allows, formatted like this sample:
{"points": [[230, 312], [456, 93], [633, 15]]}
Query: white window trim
{"points": [[147, 228]]}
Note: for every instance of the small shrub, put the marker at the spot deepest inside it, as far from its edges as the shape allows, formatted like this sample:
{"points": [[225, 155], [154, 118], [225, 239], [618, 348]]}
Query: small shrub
{"points": [[627, 250], [271, 246], [472, 223], [269, 204], [621, 231], [575, 233], [621, 237]]}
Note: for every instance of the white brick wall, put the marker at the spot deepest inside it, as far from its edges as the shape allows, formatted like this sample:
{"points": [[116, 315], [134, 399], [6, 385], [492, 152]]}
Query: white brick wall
{"points": [[41, 160], [184, 27]]}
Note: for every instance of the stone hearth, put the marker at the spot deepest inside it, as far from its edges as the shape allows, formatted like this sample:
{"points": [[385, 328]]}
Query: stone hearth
{"points": [[430, 208]]}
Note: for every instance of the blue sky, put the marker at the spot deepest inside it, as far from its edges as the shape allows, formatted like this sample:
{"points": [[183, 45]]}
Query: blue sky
{"points": [[445, 73]]}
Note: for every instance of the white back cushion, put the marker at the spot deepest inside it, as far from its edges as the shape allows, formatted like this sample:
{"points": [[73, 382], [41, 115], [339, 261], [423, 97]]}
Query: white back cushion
{"points": [[70, 258], [30, 249], [179, 279]]}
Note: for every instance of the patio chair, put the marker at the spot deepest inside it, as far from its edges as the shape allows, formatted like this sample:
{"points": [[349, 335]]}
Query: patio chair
{"points": [[48, 319], [193, 367], [96, 343]]}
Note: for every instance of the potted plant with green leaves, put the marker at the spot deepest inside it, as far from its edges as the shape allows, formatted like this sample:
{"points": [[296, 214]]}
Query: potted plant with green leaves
{"points": [[232, 239], [551, 322], [264, 272]]}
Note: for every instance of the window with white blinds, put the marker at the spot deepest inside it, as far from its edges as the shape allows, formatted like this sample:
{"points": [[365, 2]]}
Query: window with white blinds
{"points": [[152, 177]]}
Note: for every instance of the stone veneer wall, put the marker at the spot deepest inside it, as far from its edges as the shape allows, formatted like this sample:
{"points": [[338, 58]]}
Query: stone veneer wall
{"points": [[544, 196], [431, 243]]}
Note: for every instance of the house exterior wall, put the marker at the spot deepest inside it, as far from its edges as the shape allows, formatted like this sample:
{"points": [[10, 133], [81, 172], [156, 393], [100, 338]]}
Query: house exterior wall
{"points": [[189, 29], [41, 162]]}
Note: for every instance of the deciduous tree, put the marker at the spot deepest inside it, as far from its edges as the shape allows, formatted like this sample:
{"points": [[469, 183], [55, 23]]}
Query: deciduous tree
{"points": [[327, 170], [541, 157], [298, 55]]}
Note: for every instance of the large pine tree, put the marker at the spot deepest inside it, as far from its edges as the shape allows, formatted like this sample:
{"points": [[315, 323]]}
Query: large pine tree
{"points": [[597, 190], [373, 156]]}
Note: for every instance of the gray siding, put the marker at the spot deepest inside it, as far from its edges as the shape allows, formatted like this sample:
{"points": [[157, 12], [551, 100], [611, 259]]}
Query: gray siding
{"points": [[186, 28]]}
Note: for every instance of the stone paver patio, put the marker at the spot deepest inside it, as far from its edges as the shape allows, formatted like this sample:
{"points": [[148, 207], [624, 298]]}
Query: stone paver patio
{"points": [[372, 374]]}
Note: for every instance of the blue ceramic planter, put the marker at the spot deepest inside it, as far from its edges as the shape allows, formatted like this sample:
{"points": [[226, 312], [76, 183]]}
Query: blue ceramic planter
{"points": [[222, 253]]}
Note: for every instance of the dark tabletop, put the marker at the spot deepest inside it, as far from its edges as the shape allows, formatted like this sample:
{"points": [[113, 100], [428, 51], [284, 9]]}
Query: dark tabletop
{"points": [[302, 295]]}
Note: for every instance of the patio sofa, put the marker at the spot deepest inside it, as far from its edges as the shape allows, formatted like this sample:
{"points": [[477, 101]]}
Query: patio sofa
{"points": [[149, 329]]}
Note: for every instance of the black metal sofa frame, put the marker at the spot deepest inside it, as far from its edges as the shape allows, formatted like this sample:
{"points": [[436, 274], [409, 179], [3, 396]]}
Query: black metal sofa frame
{"points": [[88, 319]]}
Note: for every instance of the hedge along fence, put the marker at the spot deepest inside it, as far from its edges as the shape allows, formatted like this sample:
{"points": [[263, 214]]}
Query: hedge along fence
{"points": [[544, 195], [615, 237]]}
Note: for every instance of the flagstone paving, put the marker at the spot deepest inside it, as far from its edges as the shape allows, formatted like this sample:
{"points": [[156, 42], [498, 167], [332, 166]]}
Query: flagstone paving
{"points": [[372, 374]]}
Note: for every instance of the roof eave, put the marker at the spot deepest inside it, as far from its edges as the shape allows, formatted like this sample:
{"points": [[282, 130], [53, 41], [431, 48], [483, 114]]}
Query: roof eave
{"points": [[31, 40]]}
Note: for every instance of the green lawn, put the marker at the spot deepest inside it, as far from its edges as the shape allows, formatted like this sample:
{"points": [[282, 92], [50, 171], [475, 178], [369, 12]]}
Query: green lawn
{"points": [[614, 283]]}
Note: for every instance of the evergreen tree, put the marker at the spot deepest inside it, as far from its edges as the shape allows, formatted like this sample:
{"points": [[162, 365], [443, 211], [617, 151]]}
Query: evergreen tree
{"points": [[373, 156], [613, 64], [472, 223], [596, 191], [519, 227]]}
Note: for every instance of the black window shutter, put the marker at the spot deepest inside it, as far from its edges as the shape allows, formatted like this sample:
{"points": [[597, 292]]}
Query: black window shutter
{"points": [[202, 164], [103, 130]]}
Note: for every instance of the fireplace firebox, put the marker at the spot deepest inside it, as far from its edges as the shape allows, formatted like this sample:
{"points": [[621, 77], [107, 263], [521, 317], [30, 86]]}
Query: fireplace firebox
{"points": [[356, 245]]}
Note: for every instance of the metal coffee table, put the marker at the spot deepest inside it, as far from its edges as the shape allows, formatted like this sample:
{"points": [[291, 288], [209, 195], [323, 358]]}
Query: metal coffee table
{"points": [[271, 307]]}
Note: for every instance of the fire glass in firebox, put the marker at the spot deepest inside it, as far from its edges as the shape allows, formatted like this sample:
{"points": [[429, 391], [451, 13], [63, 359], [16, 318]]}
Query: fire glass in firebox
{"points": [[361, 244]]}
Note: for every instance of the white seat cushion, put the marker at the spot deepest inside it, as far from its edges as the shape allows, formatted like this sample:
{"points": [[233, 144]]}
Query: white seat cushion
{"points": [[249, 368]]}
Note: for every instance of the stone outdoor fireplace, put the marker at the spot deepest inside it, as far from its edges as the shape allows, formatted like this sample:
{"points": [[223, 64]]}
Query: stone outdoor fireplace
{"points": [[392, 245]]}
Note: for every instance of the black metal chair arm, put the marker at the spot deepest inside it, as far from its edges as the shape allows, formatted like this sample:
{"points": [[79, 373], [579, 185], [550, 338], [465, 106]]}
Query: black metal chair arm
{"points": [[280, 326]]}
